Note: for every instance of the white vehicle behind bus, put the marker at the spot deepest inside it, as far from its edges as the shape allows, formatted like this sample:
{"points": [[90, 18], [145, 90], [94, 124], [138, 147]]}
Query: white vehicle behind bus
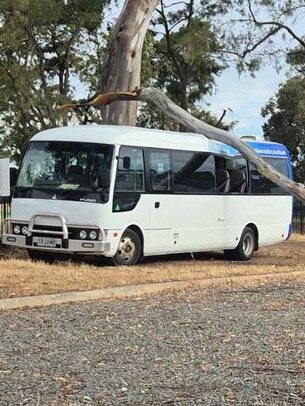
{"points": [[125, 192]]}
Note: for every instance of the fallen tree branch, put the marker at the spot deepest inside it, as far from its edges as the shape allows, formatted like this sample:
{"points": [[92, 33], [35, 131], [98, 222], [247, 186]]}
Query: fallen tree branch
{"points": [[160, 100]]}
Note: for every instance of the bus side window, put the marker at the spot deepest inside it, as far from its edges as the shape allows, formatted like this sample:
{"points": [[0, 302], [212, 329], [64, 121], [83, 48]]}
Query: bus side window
{"points": [[130, 178], [193, 172], [262, 185], [160, 170]]}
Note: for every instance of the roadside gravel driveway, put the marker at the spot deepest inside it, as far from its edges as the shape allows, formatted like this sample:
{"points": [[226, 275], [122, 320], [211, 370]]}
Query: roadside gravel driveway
{"points": [[242, 347]]}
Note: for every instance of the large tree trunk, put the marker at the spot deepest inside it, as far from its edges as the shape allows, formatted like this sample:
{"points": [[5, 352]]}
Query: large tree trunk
{"points": [[122, 67], [160, 100]]}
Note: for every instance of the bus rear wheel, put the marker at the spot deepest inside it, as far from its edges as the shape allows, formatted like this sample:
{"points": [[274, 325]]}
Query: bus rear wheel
{"points": [[245, 248], [129, 249]]}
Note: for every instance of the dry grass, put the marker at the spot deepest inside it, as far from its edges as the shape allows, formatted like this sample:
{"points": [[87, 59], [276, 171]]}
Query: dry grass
{"points": [[21, 277]]}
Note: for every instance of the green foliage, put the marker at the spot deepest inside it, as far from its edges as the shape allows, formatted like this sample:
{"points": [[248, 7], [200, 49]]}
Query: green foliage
{"points": [[296, 59], [44, 46], [179, 57], [286, 121], [186, 65]]}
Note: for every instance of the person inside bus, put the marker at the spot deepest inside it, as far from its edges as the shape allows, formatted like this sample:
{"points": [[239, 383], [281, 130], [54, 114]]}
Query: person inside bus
{"points": [[75, 174], [222, 180], [237, 181]]}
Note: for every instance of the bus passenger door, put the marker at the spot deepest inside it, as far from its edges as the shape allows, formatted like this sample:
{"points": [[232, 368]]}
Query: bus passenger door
{"points": [[161, 198], [160, 225], [198, 208], [187, 215]]}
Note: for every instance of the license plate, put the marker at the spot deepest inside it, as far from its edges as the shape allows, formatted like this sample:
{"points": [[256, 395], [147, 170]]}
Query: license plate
{"points": [[46, 242]]}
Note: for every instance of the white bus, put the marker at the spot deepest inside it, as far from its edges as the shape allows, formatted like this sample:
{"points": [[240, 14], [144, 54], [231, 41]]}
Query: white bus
{"points": [[125, 192]]}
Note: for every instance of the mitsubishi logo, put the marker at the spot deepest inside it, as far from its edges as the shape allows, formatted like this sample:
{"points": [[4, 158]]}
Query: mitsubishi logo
{"points": [[54, 197]]}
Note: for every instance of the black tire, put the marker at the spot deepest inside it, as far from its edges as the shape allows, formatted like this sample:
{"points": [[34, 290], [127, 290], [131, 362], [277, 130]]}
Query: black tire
{"points": [[129, 250], [245, 248]]}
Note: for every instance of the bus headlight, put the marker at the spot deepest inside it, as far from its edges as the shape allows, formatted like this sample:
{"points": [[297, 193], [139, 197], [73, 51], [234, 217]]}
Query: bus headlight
{"points": [[24, 230], [16, 229], [93, 235], [83, 234]]}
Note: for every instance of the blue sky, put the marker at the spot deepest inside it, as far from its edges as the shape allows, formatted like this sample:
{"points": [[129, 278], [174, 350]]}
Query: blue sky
{"points": [[245, 96]]}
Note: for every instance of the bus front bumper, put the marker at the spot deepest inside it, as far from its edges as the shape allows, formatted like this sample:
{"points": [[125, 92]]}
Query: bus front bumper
{"points": [[72, 246], [46, 238]]}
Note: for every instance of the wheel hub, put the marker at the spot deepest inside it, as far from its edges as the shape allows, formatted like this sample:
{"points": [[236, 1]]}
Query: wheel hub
{"points": [[247, 244], [126, 249]]}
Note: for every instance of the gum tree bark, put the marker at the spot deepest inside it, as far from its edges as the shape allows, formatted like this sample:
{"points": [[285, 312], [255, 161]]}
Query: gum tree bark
{"points": [[122, 67], [160, 100]]}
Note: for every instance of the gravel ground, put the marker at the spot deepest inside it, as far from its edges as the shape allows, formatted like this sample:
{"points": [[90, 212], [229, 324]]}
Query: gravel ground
{"points": [[243, 347]]}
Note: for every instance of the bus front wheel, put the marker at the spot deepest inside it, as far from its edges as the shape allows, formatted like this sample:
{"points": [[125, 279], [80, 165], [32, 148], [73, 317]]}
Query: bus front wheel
{"points": [[129, 249], [245, 248]]}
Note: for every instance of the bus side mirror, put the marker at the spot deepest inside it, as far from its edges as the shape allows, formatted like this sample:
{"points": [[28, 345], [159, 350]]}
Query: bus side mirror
{"points": [[126, 162], [13, 176], [5, 177]]}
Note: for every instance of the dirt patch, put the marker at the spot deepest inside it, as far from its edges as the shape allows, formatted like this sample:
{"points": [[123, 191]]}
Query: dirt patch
{"points": [[21, 277]]}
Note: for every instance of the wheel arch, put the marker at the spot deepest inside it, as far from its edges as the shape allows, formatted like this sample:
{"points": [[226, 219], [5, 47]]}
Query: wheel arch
{"points": [[255, 230]]}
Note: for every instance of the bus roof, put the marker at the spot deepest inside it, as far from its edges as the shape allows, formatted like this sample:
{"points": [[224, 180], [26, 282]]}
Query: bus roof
{"points": [[145, 137], [133, 136]]}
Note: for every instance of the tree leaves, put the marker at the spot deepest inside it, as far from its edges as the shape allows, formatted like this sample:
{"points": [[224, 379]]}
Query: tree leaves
{"points": [[44, 46], [286, 121]]}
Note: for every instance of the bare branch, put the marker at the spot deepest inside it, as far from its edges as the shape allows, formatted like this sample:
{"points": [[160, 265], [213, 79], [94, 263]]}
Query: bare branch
{"points": [[176, 4], [259, 42], [278, 24], [221, 118], [105, 99]]}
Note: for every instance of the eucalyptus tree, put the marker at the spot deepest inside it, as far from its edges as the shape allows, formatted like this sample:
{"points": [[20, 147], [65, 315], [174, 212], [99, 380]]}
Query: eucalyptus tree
{"points": [[121, 69]]}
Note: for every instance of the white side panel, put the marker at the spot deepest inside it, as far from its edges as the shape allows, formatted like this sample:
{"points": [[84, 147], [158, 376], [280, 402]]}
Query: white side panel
{"points": [[193, 223], [181, 223], [270, 214]]}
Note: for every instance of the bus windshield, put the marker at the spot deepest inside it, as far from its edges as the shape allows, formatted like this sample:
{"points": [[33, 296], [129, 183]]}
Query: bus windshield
{"points": [[66, 170]]}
